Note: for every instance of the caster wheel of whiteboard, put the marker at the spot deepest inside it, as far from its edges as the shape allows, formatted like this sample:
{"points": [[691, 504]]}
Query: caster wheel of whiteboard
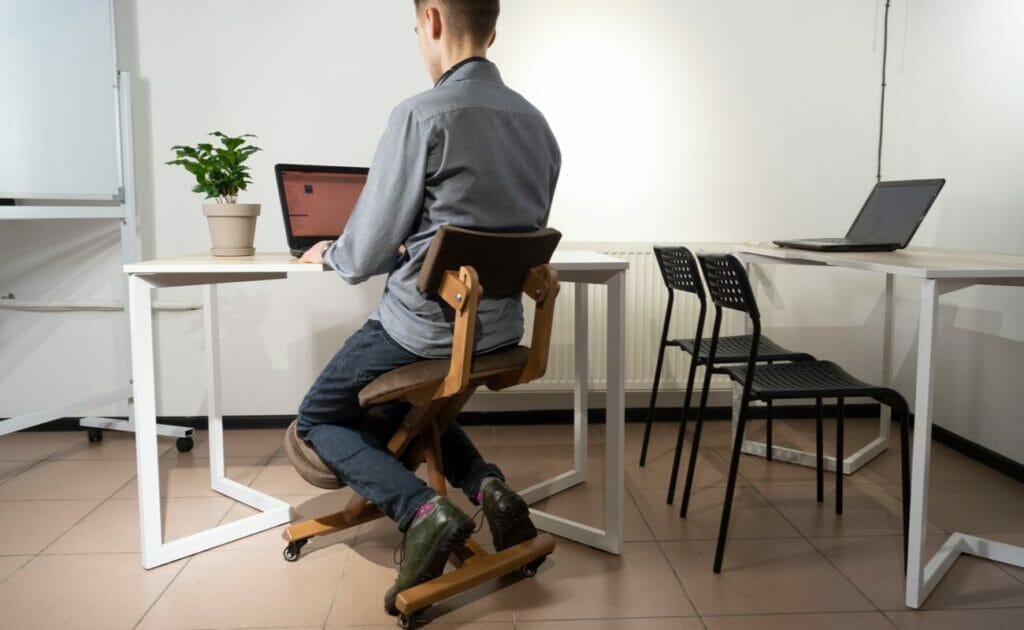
{"points": [[185, 444], [407, 621], [291, 552], [95, 435]]}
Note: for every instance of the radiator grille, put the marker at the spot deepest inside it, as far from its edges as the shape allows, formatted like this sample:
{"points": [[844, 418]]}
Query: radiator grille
{"points": [[646, 299]]}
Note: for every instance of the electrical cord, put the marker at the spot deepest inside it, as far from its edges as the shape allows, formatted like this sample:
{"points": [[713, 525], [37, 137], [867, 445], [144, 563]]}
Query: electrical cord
{"points": [[881, 115]]}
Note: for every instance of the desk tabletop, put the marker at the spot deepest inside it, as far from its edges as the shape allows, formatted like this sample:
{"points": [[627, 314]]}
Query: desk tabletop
{"points": [[921, 262], [283, 262]]}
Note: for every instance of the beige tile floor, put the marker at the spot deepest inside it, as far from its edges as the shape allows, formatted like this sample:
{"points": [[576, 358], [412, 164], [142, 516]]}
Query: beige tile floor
{"points": [[69, 543]]}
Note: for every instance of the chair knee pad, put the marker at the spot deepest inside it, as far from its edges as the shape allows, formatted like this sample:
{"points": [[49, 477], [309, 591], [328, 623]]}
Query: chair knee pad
{"points": [[306, 462]]}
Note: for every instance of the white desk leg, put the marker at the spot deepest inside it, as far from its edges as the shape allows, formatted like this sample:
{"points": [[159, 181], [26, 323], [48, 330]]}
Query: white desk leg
{"points": [[610, 538], [581, 404], [140, 310], [615, 415], [215, 421], [885, 419], [917, 590]]}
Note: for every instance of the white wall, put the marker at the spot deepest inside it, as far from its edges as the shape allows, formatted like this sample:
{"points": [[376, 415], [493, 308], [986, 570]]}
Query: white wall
{"points": [[958, 88], [679, 121]]}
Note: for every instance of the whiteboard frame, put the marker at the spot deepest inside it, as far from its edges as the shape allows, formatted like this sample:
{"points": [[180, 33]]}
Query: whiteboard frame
{"points": [[123, 209]]}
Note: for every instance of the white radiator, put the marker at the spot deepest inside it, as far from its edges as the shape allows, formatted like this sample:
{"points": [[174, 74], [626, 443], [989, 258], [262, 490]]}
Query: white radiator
{"points": [[646, 298]]}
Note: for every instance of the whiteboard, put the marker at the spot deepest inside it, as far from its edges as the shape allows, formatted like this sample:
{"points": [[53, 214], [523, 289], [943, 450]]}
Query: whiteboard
{"points": [[58, 100]]}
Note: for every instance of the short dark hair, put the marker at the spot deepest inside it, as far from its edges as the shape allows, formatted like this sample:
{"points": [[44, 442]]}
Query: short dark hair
{"points": [[475, 19]]}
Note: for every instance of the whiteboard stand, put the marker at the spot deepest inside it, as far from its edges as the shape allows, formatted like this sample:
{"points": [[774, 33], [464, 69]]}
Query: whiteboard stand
{"points": [[121, 208]]}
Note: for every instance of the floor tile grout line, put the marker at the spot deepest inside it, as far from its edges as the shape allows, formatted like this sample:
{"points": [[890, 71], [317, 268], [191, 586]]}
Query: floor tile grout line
{"points": [[23, 471], [28, 558], [807, 540], [679, 578], [163, 592], [337, 587], [636, 505]]}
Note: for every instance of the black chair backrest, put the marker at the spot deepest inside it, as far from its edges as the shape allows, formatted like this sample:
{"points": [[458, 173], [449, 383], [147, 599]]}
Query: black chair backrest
{"points": [[501, 259], [728, 284], [679, 269]]}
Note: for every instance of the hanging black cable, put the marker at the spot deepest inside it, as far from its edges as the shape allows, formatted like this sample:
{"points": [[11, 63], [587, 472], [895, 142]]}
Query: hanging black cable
{"points": [[881, 115]]}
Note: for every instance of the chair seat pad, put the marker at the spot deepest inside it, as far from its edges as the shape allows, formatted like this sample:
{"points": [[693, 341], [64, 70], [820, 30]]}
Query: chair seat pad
{"points": [[737, 350], [306, 462], [391, 385]]}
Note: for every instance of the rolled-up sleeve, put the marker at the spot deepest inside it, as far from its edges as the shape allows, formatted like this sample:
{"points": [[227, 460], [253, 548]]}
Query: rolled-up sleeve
{"points": [[389, 205]]}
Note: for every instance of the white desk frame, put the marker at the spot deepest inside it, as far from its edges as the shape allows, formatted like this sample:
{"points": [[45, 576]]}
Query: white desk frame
{"points": [[940, 272], [579, 267], [121, 208]]}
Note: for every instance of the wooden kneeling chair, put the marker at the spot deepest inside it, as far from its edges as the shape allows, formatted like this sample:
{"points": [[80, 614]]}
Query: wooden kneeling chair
{"points": [[461, 266]]}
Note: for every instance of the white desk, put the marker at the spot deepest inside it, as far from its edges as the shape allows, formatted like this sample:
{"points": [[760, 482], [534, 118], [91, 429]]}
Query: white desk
{"points": [[579, 267], [940, 271]]}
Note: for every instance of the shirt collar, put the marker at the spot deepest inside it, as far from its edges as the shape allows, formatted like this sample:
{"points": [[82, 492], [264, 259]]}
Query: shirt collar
{"points": [[470, 68]]}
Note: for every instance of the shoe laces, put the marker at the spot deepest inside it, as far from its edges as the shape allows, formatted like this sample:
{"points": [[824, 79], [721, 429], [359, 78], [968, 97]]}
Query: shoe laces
{"points": [[477, 526], [399, 554]]}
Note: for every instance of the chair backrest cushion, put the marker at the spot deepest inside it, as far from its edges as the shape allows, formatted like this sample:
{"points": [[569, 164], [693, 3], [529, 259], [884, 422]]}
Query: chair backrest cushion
{"points": [[501, 259], [679, 269], [728, 284]]}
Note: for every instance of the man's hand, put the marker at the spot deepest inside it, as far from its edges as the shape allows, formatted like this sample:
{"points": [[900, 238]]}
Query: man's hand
{"points": [[315, 254]]}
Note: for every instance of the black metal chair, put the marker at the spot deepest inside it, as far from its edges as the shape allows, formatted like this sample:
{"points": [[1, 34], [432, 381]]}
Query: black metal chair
{"points": [[730, 288], [680, 272]]}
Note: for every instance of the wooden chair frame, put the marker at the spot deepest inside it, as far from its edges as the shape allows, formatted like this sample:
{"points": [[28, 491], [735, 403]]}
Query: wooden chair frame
{"points": [[417, 439]]}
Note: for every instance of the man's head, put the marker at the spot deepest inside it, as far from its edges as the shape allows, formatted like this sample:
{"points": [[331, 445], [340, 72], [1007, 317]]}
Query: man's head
{"points": [[451, 30]]}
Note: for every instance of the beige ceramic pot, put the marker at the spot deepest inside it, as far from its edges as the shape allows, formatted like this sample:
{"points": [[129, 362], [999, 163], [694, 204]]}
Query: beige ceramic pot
{"points": [[232, 227]]}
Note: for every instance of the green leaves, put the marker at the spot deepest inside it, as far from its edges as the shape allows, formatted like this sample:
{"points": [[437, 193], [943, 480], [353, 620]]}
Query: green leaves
{"points": [[220, 172]]}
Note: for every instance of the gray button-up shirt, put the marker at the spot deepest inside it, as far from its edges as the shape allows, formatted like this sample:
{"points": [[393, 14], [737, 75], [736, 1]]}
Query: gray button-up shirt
{"points": [[470, 153]]}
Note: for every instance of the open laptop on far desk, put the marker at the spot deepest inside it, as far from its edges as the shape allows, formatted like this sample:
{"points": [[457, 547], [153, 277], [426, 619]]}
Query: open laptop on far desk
{"points": [[887, 221], [317, 201]]}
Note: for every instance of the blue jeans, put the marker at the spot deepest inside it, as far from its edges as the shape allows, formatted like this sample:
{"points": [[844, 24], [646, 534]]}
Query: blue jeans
{"points": [[330, 419]]}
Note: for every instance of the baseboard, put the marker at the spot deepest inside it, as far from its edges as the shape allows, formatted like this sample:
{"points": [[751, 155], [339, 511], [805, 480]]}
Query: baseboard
{"points": [[1009, 467]]}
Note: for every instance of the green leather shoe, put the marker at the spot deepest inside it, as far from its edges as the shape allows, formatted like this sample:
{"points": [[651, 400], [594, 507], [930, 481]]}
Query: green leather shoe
{"points": [[507, 515], [426, 546]]}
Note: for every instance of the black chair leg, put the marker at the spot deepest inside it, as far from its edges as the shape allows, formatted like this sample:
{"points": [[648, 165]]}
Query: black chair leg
{"points": [[839, 456], [691, 468], [904, 420], [682, 428], [819, 441], [768, 428], [730, 487], [654, 394]]}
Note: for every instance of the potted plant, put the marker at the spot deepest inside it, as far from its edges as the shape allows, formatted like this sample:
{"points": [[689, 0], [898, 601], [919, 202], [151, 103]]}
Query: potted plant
{"points": [[221, 174]]}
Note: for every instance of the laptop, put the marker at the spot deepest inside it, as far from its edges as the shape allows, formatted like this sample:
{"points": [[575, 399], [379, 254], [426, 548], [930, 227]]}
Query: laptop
{"points": [[317, 201], [887, 221]]}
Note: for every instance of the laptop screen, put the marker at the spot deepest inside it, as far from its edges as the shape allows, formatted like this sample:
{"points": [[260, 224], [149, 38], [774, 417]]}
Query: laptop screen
{"points": [[893, 211], [318, 201]]}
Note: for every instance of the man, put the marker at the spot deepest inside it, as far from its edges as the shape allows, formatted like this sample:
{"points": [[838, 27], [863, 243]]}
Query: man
{"points": [[471, 153]]}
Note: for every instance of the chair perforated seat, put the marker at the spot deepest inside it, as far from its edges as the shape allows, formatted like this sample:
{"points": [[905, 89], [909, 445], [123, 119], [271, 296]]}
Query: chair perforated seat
{"points": [[736, 349], [394, 384], [810, 379]]}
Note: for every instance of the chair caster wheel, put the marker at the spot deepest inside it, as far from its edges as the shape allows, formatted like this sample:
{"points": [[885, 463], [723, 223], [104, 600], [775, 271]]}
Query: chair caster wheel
{"points": [[184, 444], [530, 569], [95, 435], [407, 621], [291, 552]]}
